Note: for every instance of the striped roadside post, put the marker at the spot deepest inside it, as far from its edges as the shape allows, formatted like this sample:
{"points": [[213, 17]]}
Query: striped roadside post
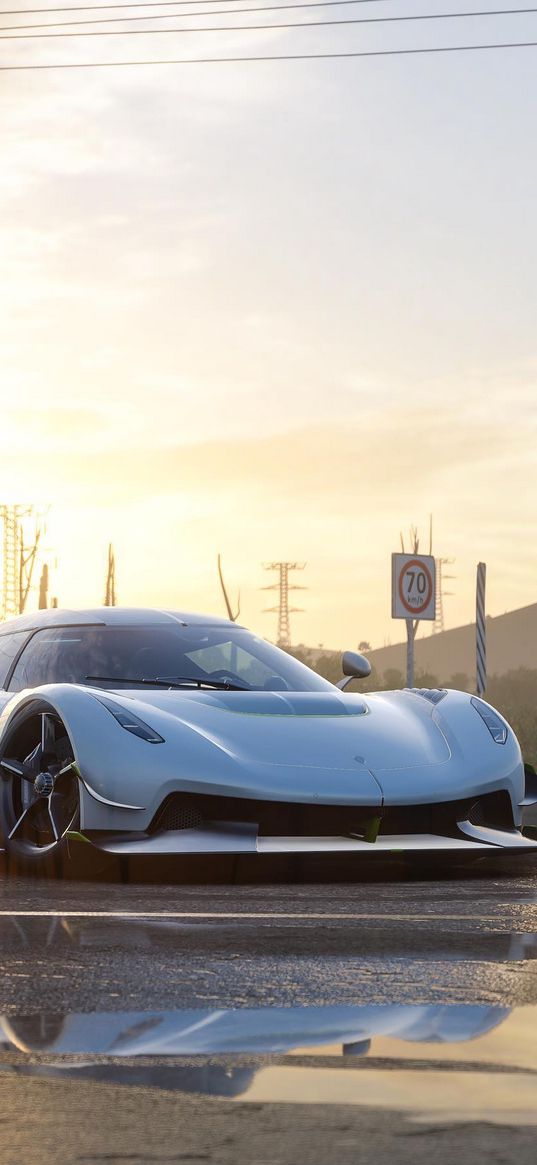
{"points": [[481, 630]]}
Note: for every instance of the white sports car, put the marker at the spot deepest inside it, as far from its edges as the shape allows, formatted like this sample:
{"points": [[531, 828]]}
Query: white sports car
{"points": [[148, 732]]}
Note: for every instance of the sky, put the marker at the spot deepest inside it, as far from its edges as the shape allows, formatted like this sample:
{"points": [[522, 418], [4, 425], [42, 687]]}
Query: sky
{"points": [[280, 310]]}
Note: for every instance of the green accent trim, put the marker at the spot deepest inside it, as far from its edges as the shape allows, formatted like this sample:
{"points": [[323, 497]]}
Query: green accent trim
{"points": [[75, 835], [371, 831], [295, 715]]}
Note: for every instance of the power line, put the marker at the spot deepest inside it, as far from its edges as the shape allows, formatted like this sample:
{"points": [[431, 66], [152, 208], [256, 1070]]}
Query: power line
{"points": [[261, 27], [524, 44], [180, 15], [137, 4]]}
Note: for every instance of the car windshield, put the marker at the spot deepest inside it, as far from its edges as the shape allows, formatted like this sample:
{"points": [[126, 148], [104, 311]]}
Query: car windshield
{"points": [[122, 656]]}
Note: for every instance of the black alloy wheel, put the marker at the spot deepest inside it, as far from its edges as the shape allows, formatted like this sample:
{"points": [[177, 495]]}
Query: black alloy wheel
{"points": [[40, 801]]}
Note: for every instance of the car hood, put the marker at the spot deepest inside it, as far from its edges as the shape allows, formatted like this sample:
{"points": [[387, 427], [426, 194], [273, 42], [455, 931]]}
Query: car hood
{"points": [[318, 729]]}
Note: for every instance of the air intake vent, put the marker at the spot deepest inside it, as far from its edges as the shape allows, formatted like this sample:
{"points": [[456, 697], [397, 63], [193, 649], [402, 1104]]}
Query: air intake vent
{"points": [[433, 695], [175, 814]]}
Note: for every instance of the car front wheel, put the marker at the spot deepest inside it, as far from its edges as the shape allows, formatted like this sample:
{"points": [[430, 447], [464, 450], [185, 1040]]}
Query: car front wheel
{"points": [[40, 800]]}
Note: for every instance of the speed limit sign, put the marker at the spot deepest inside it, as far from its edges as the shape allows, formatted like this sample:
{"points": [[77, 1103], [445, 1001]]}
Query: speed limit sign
{"points": [[413, 586]]}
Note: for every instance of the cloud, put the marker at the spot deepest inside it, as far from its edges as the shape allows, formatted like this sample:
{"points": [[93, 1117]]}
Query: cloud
{"points": [[333, 495], [236, 307], [55, 425], [328, 465]]}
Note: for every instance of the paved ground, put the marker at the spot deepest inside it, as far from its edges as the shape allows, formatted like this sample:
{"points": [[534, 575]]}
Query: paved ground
{"points": [[97, 947]]}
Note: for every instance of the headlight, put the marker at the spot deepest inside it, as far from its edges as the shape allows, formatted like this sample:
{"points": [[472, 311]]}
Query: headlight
{"points": [[496, 726], [131, 723]]}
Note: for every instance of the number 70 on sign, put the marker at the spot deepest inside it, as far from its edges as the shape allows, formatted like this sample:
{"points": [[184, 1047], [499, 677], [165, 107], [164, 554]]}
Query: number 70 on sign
{"points": [[413, 586]]}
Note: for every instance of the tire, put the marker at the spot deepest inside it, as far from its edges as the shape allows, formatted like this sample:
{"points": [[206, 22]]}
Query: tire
{"points": [[40, 799]]}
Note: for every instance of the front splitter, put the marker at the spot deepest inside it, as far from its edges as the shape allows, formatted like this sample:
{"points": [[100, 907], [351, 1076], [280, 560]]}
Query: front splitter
{"points": [[244, 839]]}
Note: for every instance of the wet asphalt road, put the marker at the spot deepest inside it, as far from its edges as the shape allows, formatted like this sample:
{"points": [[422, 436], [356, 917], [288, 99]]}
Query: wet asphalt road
{"points": [[82, 947], [118, 947]]}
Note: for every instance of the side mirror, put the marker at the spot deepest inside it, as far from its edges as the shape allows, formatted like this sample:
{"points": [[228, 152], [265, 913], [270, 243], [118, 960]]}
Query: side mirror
{"points": [[354, 667]]}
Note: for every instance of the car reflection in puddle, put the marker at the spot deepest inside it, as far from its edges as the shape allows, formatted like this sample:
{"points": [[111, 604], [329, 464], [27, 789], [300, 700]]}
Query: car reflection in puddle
{"points": [[467, 1062]]}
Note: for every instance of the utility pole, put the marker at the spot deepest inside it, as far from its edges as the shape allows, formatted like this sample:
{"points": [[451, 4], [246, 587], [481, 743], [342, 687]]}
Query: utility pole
{"points": [[110, 592], [283, 586], [43, 588]]}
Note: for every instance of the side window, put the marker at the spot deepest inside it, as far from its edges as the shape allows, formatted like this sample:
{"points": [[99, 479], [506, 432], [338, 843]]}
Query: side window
{"points": [[52, 656], [10, 646]]}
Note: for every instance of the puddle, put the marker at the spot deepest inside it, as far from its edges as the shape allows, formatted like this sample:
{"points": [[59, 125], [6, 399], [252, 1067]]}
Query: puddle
{"points": [[384, 1030], [273, 1030], [460, 1063], [380, 937], [503, 1098]]}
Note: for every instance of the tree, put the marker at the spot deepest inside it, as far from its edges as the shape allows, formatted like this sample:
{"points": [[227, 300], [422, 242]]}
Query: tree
{"points": [[425, 679]]}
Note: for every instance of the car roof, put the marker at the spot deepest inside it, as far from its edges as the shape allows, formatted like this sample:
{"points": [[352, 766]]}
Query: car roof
{"points": [[108, 617]]}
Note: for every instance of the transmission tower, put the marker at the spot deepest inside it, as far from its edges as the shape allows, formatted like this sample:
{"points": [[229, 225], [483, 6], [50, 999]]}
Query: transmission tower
{"points": [[441, 594], [18, 557], [283, 586], [10, 562], [110, 592]]}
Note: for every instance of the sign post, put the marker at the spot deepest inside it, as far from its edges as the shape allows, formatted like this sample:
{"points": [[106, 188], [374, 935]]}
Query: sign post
{"points": [[410, 653], [413, 597]]}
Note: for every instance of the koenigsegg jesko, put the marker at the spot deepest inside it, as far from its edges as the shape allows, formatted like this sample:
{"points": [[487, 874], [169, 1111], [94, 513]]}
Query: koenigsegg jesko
{"points": [[155, 732]]}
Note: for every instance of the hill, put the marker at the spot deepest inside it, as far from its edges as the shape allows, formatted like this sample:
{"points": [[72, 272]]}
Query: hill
{"points": [[511, 644]]}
